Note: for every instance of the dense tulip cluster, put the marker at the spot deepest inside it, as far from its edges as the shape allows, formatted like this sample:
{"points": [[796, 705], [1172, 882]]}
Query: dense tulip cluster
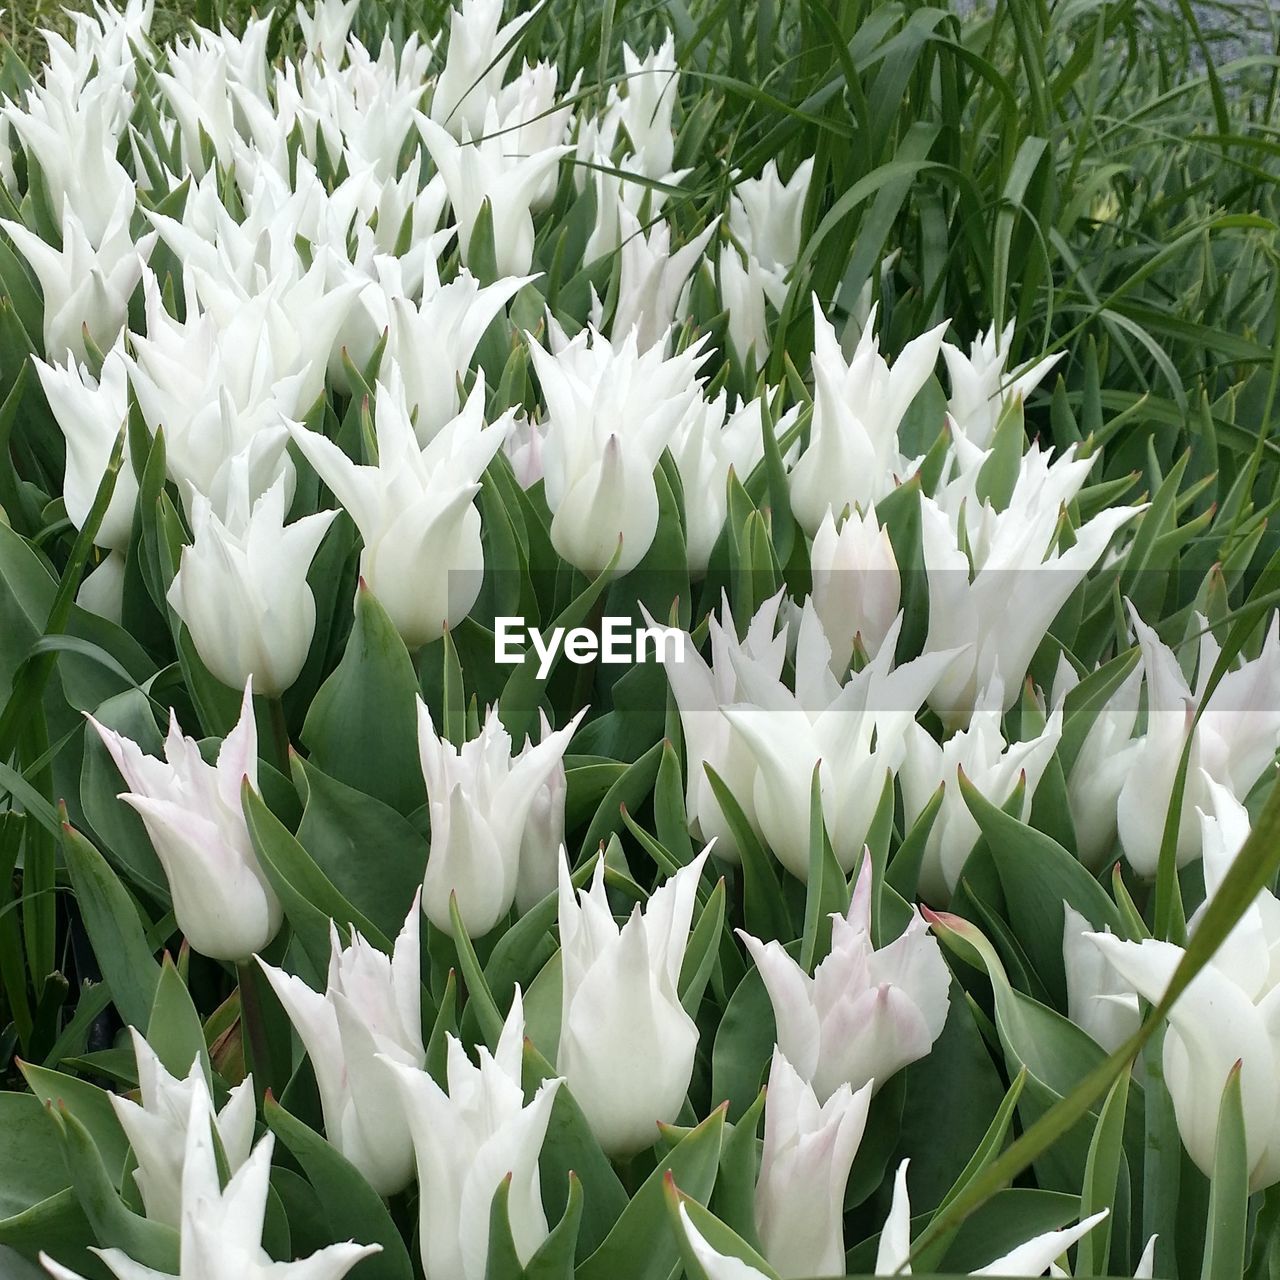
{"points": [[352, 353]]}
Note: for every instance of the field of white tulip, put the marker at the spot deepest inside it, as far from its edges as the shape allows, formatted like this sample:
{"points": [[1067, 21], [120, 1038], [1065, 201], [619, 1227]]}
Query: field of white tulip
{"points": [[639, 642]]}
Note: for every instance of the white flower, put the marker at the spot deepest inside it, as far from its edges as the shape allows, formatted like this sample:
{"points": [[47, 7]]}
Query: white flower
{"points": [[415, 509], [90, 414], [808, 1152], [467, 1140], [157, 1128], [479, 171], [369, 1013], [481, 797], [626, 1043], [991, 764], [85, 286], [765, 215], [865, 1013], [652, 89], [856, 587], [852, 457], [610, 413], [543, 834], [221, 1230], [980, 386], [193, 814], [325, 29], [744, 289], [241, 588], [1098, 999]]}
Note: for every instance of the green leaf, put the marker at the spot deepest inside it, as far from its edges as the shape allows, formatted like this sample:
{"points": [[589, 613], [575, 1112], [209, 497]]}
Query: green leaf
{"points": [[90, 1105], [362, 728], [174, 1030], [1224, 1244], [354, 1210], [1101, 1176], [826, 891]]}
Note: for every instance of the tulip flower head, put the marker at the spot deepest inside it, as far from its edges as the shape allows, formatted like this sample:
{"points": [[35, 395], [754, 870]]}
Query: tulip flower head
{"points": [[223, 901]]}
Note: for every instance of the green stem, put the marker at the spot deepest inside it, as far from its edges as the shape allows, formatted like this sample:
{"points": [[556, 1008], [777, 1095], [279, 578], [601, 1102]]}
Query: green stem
{"points": [[279, 734], [254, 1029]]}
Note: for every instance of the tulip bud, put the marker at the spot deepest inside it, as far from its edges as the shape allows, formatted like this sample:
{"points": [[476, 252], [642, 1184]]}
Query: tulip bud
{"points": [[157, 1129], [369, 1013], [415, 509], [809, 1150], [864, 1014], [626, 1043], [543, 835], [242, 590], [480, 797], [467, 1140], [192, 811], [856, 588]]}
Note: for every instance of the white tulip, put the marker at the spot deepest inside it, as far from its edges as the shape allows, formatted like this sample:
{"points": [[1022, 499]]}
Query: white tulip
{"points": [[241, 588], [193, 813], [852, 457], [1033, 1257], [980, 385], [86, 287], [221, 1228], [865, 1013], [415, 509], [991, 764], [856, 586], [481, 796], [481, 170], [853, 734], [326, 27], [157, 1127], [997, 584], [809, 1148], [543, 834], [90, 413], [744, 289], [610, 412], [467, 1140], [652, 281], [765, 215], [717, 1265], [652, 89], [1098, 999], [626, 1043], [369, 1013], [475, 65]]}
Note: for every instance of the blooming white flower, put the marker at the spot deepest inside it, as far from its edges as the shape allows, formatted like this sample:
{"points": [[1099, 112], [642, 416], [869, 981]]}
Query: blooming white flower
{"points": [[86, 287], [611, 410], [241, 588], [1098, 998], [809, 1148], [192, 811], [467, 1140], [326, 27], [415, 508], [481, 796], [626, 1043], [645, 109], [991, 764], [852, 457], [980, 385], [765, 215], [221, 1228], [744, 289], [369, 1013], [543, 834], [90, 413], [853, 734], [157, 1127], [865, 1013]]}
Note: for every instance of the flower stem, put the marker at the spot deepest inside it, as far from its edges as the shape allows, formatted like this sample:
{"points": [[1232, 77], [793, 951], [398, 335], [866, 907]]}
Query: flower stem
{"points": [[279, 733], [254, 1029]]}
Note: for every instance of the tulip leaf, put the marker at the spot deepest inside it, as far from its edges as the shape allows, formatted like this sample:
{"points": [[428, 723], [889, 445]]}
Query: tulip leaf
{"points": [[479, 997], [174, 1030], [116, 1226], [638, 1246], [1101, 1177], [57, 1226], [700, 955], [763, 906], [90, 1105], [354, 1210], [115, 929], [733, 1198], [362, 727], [570, 1148], [671, 822], [744, 1044], [372, 855], [554, 1257], [1037, 875], [1224, 1242], [631, 789], [826, 891], [721, 1237]]}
